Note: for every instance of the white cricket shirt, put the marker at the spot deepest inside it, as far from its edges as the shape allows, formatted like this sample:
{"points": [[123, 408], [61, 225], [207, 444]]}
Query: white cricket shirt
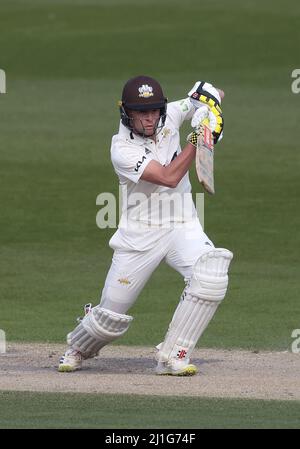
{"points": [[149, 210]]}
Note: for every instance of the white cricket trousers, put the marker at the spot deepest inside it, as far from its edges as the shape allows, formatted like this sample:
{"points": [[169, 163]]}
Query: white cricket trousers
{"points": [[131, 269]]}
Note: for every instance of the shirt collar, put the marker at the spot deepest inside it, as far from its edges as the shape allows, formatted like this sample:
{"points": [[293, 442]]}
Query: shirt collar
{"points": [[132, 137]]}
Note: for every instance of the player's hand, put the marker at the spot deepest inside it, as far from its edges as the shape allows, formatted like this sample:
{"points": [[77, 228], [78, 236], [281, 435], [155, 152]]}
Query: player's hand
{"points": [[204, 115], [214, 120], [200, 116], [202, 91]]}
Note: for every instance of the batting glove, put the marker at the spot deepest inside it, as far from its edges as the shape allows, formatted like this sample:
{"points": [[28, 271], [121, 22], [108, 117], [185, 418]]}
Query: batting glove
{"points": [[193, 138], [204, 114], [201, 92], [204, 93]]}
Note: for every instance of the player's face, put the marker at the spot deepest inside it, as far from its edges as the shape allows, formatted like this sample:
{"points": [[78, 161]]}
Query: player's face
{"points": [[145, 122]]}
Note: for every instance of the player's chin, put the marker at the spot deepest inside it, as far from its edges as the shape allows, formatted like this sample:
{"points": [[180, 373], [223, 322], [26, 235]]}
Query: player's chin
{"points": [[149, 132], [146, 132]]}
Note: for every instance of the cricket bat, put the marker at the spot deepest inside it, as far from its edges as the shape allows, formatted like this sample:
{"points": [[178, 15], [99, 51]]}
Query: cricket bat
{"points": [[205, 158]]}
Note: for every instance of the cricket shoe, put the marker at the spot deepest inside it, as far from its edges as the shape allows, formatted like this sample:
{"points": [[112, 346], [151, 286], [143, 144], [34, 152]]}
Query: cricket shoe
{"points": [[175, 367], [70, 361]]}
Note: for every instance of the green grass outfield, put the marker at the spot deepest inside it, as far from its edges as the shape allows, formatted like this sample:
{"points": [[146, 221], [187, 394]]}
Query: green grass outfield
{"points": [[50, 410], [66, 62]]}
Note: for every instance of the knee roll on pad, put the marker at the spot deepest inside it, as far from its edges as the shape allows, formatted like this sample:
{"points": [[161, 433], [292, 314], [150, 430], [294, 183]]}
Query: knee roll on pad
{"points": [[98, 328], [206, 290], [209, 280]]}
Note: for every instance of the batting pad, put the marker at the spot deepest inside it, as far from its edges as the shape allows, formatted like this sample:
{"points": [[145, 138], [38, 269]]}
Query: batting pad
{"points": [[207, 288], [98, 328]]}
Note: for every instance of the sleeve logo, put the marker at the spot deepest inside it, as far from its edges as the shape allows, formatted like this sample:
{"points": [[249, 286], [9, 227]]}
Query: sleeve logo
{"points": [[139, 163]]}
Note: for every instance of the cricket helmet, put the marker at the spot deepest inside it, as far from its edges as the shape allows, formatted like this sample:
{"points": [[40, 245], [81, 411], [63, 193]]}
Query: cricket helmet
{"points": [[142, 93]]}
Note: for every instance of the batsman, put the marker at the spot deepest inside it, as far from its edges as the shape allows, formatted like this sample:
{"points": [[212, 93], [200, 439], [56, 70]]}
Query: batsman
{"points": [[159, 223]]}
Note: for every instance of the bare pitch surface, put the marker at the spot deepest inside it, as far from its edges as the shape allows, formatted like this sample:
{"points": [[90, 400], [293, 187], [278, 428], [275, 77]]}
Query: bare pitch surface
{"points": [[130, 370]]}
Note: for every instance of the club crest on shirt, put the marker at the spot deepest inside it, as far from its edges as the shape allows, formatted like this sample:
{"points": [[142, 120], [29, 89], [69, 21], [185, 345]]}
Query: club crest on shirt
{"points": [[145, 91], [166, 132]]}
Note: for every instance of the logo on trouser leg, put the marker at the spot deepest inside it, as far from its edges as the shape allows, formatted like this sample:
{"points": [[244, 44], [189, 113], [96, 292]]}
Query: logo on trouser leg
{"points": [[124, 281], [181, 354]]}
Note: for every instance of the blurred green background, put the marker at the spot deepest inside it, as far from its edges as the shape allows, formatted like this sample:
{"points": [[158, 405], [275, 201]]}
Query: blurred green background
{"points": [[66, 63]]}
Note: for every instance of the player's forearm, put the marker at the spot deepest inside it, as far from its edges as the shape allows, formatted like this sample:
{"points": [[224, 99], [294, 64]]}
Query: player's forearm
{"points": [[170, 175], [176, 170]]}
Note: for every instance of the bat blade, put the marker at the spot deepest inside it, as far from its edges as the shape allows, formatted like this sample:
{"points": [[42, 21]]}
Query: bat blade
{"points": [[205, 159]]}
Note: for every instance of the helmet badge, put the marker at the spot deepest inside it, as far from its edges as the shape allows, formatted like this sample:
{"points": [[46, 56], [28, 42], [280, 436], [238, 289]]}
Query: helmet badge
{"points": [[145, 91]]}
